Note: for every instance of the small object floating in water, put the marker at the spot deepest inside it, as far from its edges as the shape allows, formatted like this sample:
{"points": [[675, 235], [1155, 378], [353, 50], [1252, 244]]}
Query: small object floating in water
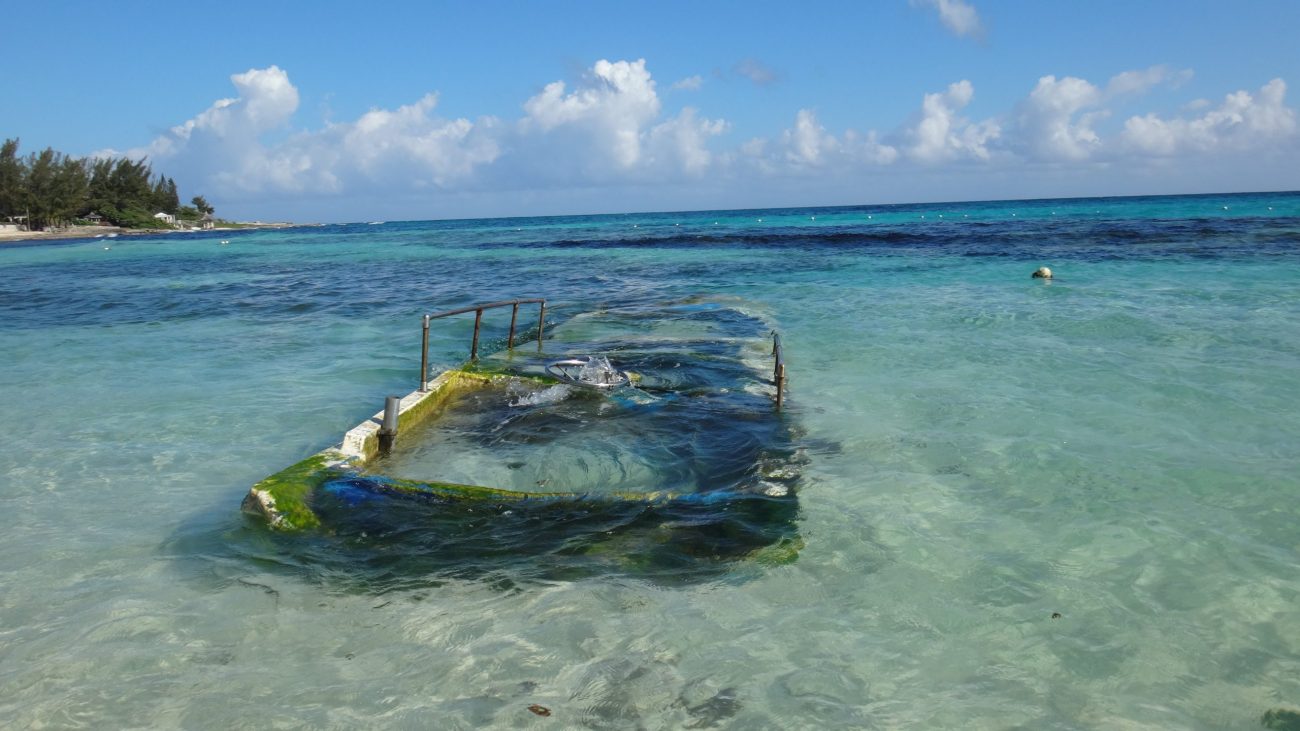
{"points": [[377, 223], [594, 372], [224, 242], [106, 248], [540, 710], [1225, 208], [1056, 615], [1042, 273]]}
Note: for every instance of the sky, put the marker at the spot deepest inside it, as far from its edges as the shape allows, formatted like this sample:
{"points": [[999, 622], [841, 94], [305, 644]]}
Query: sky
{"points": [[333, 111]]}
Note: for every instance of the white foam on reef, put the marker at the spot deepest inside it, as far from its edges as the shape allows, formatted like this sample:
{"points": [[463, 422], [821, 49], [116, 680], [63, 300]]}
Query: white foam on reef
{"points": [[550, 395], [599, 372]]}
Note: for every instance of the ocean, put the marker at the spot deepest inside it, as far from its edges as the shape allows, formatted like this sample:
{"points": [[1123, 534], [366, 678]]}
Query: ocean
{"points": [[1021, 503]]}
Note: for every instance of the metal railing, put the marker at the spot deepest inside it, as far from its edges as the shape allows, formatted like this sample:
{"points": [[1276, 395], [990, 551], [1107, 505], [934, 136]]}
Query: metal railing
{"points": [[778, 368], [478, 319]]}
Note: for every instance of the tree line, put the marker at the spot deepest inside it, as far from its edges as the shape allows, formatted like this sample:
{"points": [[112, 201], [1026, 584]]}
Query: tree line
{"points": [[48, 189]]}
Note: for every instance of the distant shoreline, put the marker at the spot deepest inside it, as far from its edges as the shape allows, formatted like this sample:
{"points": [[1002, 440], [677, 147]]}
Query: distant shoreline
{"points": [[91, 232]]}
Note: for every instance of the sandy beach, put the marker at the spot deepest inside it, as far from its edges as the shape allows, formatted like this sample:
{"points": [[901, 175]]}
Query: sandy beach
{"points": [[90, 232], [75, 232]]}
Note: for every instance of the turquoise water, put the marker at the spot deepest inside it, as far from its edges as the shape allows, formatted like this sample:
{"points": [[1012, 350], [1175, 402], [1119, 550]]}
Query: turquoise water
{"points": [[1118, 446]]}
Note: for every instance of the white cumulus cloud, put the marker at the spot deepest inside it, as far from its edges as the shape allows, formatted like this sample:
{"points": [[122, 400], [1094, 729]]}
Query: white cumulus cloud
{"points": [[956, 15], [757, 71], [941, 133], [228, 132], [808, 144], [1140, 81], [610, 126], [1047, 123], [1243, 121], [614, 103], [690, 83], [609, 130], [223, 146]]}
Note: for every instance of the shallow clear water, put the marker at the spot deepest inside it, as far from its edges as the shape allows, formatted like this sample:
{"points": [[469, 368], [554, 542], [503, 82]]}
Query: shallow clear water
{"points": [[1118, 446]]}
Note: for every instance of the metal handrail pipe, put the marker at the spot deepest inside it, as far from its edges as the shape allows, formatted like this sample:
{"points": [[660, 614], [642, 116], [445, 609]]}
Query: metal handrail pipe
{"points": [[478, 321], [487, 306]]}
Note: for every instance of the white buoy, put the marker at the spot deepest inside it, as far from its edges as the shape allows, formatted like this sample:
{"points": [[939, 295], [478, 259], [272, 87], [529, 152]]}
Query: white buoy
{"points": [[1042, 273]]}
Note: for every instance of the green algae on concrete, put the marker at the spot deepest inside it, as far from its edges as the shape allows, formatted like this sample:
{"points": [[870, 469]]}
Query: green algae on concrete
{"points": [[454, 491], [362, 441], [283, 498]]}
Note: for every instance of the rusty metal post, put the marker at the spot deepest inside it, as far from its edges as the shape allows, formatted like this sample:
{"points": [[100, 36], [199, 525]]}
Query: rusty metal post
{"points": [[780, 385], [510, 341], [424, 356], [541, 323], [473, 348]]}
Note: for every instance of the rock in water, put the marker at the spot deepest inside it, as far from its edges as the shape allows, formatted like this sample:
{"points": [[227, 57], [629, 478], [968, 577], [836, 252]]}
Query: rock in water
{"points": [[1281, 719]]}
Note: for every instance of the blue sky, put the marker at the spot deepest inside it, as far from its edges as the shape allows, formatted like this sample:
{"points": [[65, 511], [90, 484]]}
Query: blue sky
{"points": [[346, 111]]}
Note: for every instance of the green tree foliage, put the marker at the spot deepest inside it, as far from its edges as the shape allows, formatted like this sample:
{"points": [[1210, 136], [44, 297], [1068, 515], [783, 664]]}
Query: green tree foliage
{"points": [[11, 180], [51, 189], [201, 204]]}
